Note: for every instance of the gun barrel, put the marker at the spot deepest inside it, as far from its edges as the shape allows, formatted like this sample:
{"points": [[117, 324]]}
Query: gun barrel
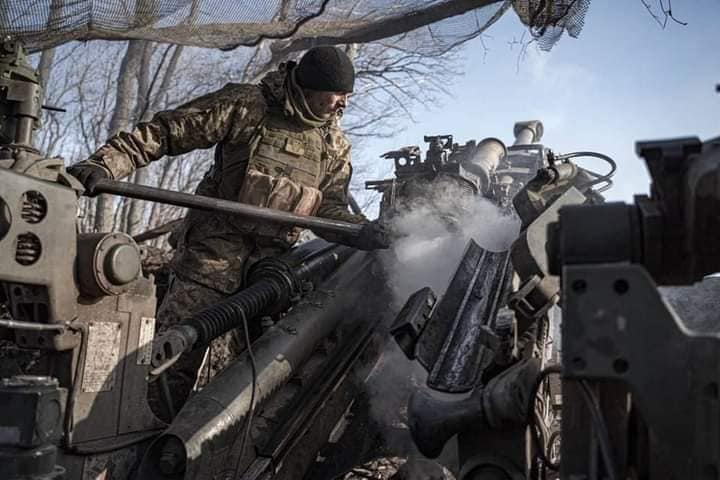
{"points": [[529, 132], [201, 202], [198, 438], [485, 160]]}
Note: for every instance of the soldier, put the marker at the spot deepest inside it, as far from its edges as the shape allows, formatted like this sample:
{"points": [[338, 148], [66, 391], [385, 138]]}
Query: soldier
{"points": [[277, 144]]}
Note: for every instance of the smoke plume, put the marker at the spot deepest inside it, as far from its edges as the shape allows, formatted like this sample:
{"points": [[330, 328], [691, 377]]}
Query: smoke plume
{"points": [[431, 238], [431, 241]]}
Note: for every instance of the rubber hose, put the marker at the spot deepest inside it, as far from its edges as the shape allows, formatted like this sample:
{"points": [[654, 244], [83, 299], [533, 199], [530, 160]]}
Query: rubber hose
{"points": [[228, 314]]}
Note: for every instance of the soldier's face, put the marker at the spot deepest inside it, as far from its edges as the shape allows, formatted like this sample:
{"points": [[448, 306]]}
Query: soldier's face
{"points": [[326, 104]]}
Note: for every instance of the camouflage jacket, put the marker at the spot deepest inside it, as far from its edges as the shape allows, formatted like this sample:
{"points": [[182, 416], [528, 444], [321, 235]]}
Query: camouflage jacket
{"points": [[307, 168]]}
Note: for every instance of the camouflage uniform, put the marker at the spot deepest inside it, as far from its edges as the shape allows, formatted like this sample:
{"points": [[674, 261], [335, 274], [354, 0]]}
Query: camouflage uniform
{"points": [[266, 154]]}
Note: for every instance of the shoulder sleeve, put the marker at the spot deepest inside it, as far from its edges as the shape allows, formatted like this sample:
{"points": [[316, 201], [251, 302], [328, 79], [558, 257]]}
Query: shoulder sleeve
{"points": [[200, 123], [337, 179]]}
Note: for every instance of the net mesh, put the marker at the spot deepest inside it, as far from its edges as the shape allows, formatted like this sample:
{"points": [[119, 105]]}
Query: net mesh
{"points": [[548, 19], [228, 23], [403, 50]]}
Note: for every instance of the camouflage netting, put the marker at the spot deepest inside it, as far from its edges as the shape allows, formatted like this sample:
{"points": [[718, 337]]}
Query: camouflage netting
{"points": [[403, 52], [229, 23], [548, 20]]}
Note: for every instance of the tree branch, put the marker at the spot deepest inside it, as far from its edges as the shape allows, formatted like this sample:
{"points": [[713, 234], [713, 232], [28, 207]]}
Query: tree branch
{"points": [[232, 35]]}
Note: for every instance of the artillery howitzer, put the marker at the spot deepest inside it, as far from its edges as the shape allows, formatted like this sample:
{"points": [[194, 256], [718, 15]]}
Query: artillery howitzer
{"points": [[626, 411], [78, 317], [82, 313], [487, 168], [79, 309], [492, 329]]}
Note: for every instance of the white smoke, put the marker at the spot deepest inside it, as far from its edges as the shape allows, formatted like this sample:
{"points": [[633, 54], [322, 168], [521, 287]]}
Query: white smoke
{"points": [[431, 244], [433, 234]]}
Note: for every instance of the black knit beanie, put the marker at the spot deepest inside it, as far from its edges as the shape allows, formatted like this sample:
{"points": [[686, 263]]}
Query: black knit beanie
{"points": [[326, 69]]}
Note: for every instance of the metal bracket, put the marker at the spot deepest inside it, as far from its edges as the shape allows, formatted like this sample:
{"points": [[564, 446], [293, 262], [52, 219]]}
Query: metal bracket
{"points": [[521, 301], [618, 327]]}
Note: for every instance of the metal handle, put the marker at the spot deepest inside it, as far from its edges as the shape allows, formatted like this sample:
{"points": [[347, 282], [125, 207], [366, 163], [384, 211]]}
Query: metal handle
{"points": [[200, 202]]}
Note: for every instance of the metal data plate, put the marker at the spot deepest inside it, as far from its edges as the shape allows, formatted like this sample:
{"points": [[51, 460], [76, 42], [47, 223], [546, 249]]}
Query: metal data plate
{"points": [[102, 356]]}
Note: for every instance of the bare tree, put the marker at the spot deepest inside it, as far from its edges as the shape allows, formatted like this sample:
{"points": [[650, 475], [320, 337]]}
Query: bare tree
{"points": [[120, 119], [666, 13], [393, 75]]}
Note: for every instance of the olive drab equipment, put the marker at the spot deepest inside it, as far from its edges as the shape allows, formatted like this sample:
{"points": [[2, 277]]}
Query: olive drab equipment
{"points": [[286, 166]]}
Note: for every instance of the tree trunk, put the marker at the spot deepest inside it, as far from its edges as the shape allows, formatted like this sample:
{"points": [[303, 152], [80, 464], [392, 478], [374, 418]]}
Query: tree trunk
{"points": [[156, 103], [45, 66], [120, 120], [146, 105], [133, 209], [48, 55]]}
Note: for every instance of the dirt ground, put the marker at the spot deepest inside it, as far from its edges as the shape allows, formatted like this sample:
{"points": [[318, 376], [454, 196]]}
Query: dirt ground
{"points": [[398, 468]]}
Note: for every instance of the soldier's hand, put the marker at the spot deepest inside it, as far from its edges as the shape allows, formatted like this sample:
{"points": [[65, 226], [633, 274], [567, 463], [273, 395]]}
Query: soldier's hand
{"points": [[89, 174], [373, 236]]}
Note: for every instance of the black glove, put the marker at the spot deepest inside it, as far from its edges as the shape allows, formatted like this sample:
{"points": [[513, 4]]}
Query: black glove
{"points": [[373, 236], [88, 174]]}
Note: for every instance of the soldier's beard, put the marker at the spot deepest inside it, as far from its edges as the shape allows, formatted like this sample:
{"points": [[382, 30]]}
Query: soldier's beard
{"points": [[296, 104]]}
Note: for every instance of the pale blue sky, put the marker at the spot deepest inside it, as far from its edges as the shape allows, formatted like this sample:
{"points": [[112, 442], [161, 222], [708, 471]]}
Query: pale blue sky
{"points": [[624, 79]]}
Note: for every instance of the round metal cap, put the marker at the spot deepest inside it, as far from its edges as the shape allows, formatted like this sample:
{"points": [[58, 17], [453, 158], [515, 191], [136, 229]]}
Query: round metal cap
{"points": [[122, 264]]}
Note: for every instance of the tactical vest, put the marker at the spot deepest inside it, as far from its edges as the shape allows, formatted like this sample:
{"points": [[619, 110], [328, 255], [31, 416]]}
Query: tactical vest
{"points": [[286, 149], [284, 166]]}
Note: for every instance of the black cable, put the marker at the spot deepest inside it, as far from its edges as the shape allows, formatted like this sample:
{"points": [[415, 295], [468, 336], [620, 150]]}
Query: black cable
{"points": [[251, 411], [595, 415], [600, 428], [222, 317], [602, 156], [600, 178]]}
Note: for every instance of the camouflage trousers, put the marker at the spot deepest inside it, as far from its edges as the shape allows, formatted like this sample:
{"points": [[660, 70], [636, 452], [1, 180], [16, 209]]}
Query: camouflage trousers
{"points": [[194, 369]]}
